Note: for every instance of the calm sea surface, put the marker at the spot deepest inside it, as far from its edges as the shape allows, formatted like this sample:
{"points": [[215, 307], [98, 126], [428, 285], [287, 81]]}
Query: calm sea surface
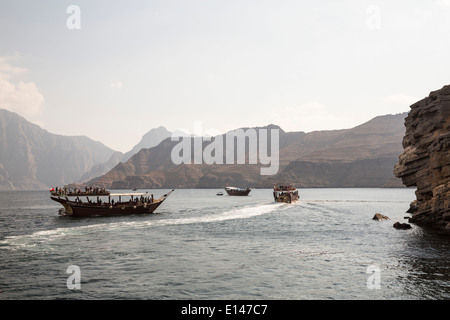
{"points": [[203, 246]]}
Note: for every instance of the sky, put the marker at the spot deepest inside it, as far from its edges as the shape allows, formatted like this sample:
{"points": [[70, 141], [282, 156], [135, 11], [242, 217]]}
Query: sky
{"points": [[113, 70]]}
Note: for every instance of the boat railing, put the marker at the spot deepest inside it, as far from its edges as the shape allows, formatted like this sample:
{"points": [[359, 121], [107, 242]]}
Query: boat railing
{"points": [[74, 192], [79, 194], [284, 188]]}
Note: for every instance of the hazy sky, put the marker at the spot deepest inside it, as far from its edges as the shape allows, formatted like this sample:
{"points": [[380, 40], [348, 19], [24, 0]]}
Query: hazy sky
{"points": [[120, 68]]}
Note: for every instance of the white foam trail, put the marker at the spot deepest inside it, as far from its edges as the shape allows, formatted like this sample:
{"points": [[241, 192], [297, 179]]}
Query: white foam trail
{"points": [[243, 213], [31, 240], [28, 241]]}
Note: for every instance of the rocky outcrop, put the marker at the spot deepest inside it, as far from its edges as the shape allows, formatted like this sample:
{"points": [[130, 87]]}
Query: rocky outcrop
{"points": [[425, 161], [402, 226], [380, 217]]}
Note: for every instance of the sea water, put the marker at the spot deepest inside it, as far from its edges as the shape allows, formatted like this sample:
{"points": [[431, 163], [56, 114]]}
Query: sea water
{"points": [[202, 246]]}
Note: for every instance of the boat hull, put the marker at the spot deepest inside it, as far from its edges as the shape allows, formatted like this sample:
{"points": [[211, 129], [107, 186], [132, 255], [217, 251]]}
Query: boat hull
{"points": [[76, 209], [285, 193], [234, 192], [288, 197]]}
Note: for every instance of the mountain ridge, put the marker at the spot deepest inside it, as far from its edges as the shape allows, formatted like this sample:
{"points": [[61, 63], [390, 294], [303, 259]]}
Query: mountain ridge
{"points": [[373, 144], [148, 140], [33, 158]]}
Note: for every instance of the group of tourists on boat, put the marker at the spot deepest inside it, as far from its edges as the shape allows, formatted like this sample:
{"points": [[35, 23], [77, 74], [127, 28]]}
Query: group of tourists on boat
{"points": [[78, 191], [133, 201], [284, 187]]}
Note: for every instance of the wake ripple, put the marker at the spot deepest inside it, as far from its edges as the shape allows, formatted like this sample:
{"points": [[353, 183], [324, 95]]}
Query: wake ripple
{"points": [[40, 237]]}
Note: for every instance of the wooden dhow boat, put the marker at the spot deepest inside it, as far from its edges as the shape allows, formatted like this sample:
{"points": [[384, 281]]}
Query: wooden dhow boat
{"points": [[87, 204], [285, 193], [233, 191]]}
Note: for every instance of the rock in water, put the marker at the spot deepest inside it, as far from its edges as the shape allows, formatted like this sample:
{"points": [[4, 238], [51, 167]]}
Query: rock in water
{"points": [[412, 207], [404, 226], [425, 161], [379, 217]]}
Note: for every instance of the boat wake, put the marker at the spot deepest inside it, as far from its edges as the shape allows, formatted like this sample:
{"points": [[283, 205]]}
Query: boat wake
{"points": [[37, 239], [241, 213]]}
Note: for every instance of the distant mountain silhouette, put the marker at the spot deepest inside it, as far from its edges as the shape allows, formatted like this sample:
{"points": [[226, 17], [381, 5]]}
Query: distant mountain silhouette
{"points": [[359, 157], [363, 156], [149, 140], [33, 158]]}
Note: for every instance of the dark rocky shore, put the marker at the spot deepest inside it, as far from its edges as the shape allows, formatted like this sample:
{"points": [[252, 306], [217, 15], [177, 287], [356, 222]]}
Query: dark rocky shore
{"points": [[425, 161]]}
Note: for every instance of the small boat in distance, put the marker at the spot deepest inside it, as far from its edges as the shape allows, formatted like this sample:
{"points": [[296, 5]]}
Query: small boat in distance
{"points": [[233, 191], [111, 205], [285, 193], [219, 194]]}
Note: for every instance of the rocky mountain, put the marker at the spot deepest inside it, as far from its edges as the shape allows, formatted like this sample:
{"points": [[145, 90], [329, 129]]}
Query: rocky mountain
{"points": [[359, 157], [425, 160], [101, 168], [380, 136], [33, 158], [149, 140], [145, 161], [371, 172]]}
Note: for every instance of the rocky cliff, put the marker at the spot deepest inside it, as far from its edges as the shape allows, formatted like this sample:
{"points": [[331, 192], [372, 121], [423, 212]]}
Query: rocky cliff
{"points": [[425, 161], [33, 158]]}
